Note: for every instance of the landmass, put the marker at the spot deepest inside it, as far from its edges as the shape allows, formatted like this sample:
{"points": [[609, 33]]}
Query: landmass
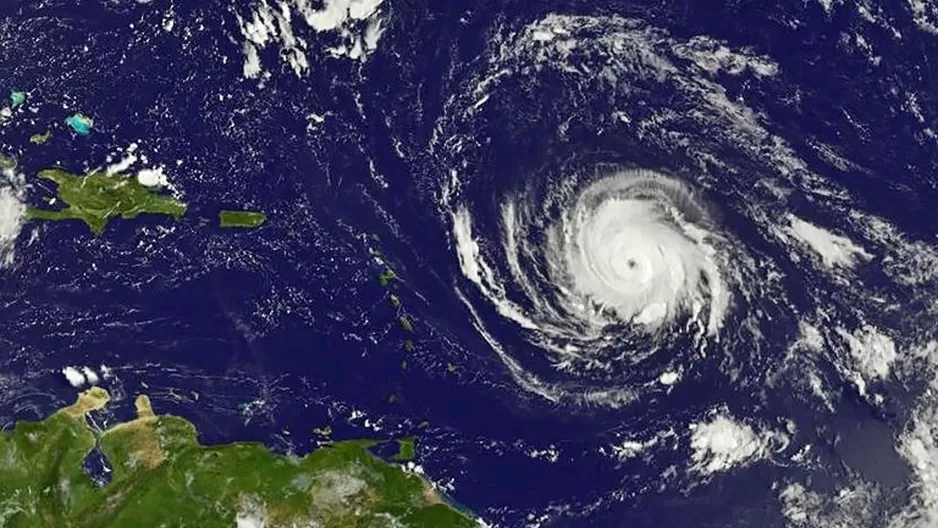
{"points": [[406, 450], [96, 197], [229, 218], [162, 476], [386, 277], [39, 139], [405, 323]]}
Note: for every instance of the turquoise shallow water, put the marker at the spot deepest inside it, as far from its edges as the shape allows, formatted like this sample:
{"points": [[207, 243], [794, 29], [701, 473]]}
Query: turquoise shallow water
{"points": [[80, 124]]}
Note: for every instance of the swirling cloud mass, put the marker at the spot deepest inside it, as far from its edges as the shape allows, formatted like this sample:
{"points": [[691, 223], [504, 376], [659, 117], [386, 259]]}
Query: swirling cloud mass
{"points": [[630, 264], [634, 249], [663, 237]]}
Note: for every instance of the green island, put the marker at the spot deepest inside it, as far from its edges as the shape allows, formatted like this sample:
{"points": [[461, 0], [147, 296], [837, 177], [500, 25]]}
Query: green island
{"points": [[241, 218], [96, 197], [162, 476], [405, 323], [40, 139], [386, 277], [407, 450]]}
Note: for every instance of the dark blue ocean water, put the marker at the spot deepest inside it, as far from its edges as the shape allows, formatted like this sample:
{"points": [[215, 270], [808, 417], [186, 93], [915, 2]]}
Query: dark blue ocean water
{"points": [[266, 334]]}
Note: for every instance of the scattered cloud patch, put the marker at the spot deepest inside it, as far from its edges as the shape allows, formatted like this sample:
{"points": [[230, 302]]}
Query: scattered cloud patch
{"points": [[631, 448], [355, 28], [669, 378], [90, 376], [833, 250], [152, 177], [122, 165], [872, 352], [131, 158], [74, 376], [12, 213], [715, 57], [723, 443], [828, 4], [850, 507], [918, 444], [81, 376], [925, 15], [550, 454], [251, 515]]}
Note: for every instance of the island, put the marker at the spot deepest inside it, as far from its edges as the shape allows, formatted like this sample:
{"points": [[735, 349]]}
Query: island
{"points": [[230, 218], [386, 276], [161, 476], [96, 197], [40, 139]]}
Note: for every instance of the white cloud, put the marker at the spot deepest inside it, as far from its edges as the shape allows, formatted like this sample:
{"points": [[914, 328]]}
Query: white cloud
{"points": [[79, 376], [850, 507], [90, 376], [122, 165], [358, 24], [925, 15], [723, 443], [152, 177], [12, 213], [252, 62], [250, 519], [918, 444], [714, 57], [834, 250], [873, 354], [74, 376]]}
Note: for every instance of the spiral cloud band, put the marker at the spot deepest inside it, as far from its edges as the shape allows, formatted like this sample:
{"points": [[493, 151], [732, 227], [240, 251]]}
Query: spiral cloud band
{"points": [[604, 288], [627, 265], [630, 249]]}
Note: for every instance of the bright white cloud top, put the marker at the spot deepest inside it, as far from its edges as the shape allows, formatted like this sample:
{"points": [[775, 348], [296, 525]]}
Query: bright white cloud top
{"points": [[633, 253], [635, 248]]}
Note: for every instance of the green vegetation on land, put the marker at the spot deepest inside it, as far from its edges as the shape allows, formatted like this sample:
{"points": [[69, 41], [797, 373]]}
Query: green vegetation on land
{"points": [[39, 139], [162, 476], [405, 324], [406, 450], [241, 218], [95, 198], [386, 277]]}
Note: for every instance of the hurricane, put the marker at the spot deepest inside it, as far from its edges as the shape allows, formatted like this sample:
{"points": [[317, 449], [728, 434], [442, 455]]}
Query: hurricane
{"points": [[614, 263], [633, 237], [625, 264], [637, 249]]}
